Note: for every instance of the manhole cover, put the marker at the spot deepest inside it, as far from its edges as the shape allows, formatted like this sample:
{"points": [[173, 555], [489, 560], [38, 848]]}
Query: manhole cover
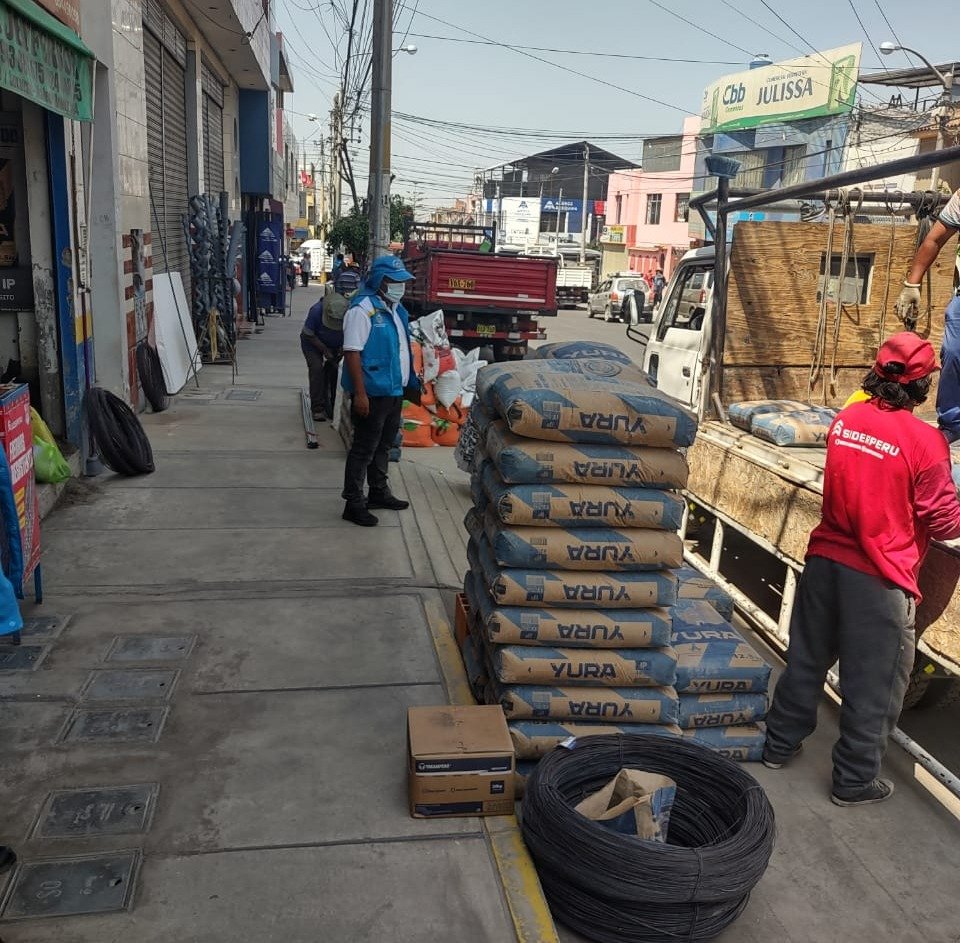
{"points": [[130, 684], [150, 647], [59, 887], [141, 724], [20, 657], [43, 626], [112, 810], [247, 396]]}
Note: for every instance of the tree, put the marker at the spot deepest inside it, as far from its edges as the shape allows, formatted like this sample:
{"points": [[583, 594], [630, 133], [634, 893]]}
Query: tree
{"points": [[351, 233]]}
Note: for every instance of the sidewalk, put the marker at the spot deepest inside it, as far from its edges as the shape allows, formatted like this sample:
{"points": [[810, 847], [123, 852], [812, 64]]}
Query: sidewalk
{"points": [[250, 658]]}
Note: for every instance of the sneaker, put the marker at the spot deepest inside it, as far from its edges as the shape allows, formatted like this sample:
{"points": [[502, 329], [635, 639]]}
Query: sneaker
{"points": [[777, 760], [877, 791], [359, 515], [387, 501]]}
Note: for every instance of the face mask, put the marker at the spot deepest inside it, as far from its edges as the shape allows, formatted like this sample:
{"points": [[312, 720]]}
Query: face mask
{"points": [[394, 291]]}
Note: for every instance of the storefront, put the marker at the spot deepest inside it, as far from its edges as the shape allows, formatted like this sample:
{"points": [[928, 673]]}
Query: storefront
{"points": [[46, 78]]}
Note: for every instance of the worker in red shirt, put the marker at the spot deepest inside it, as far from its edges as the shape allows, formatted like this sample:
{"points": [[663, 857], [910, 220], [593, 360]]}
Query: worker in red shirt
{"points": [[887, 492]]}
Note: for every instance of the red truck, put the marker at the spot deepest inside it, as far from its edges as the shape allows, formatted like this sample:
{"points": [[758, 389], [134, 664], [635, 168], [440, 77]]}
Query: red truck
{"points": [[488, 299]]}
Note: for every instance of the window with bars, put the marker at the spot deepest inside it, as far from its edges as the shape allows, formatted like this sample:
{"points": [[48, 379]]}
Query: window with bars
{"points": [[654, 205]]}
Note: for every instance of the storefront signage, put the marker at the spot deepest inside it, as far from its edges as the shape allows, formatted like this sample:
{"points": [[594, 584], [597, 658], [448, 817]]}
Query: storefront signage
{"points": [[814, 86], [16, 289], [40, 65], [617, 234], [66, 11]]}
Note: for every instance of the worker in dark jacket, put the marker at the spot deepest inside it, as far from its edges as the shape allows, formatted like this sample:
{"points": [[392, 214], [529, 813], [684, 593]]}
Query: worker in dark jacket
{"points": [[378, 369], [887, 492]]}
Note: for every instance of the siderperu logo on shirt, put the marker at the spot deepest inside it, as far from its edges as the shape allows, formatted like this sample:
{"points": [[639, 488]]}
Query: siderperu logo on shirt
{"points": [[862, 441]]}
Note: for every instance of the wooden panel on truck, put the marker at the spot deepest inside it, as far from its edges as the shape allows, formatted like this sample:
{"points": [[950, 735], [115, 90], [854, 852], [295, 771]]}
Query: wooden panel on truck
{"points": [[784, 513], [776, 271]]}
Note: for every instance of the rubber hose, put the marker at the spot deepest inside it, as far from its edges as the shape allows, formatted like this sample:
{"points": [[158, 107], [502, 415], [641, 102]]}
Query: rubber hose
{"points": [[150, 371], [117, 434]]}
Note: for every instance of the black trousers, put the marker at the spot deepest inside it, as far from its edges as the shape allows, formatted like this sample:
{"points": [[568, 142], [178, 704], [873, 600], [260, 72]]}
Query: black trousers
{"points": [[322, 372], [867, 623], [368, 458]]}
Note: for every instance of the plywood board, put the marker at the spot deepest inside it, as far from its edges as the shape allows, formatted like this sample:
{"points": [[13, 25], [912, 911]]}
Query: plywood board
{"points": [[176, 341]]}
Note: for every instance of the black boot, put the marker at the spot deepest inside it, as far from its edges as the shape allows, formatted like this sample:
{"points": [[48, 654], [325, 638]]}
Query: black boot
{"points": [[387, 501], [358, 514]]}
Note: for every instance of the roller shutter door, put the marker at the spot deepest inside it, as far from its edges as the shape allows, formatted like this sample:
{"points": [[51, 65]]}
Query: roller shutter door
{"points": [[213, 175], [164, 59]]}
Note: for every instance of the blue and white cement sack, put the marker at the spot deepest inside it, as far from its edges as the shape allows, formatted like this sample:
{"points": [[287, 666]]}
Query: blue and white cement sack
{"points": [[742, 415], [533, 739], [743, 743], [618, 705], [620, 668], [569, 628], [478, 493], [807, 428], [527, 461], [712, 657], [693, 585], [589, 548], [720, 710], [579, 350], [596, 401], [572, 589], [576, 505]]}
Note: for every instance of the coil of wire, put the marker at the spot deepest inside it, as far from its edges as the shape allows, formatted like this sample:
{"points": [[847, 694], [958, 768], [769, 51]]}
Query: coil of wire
{"points": [[617, 888], [117, 434]]}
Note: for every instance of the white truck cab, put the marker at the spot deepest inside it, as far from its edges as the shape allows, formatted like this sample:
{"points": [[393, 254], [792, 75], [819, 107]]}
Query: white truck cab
{"points": [[679, 338]]}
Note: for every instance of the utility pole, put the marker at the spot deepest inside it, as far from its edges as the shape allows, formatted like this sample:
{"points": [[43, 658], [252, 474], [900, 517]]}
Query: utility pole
{"points": [[335, 183], [379, 183], [583, 209]]}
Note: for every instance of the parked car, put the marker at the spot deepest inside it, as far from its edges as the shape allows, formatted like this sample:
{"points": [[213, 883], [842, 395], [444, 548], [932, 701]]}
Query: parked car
{"points": [[609, 298], [694, 294]]}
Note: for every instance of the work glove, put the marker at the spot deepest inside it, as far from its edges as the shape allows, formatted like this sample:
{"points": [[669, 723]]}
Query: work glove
{"points": [[908, 304]]}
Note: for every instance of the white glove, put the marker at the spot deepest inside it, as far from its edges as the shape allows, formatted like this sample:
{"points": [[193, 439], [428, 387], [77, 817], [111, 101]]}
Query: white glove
{"points": [[909, 300]]}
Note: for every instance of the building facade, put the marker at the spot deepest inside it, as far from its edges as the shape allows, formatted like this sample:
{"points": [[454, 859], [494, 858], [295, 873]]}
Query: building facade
{"points": [[648, 210]]}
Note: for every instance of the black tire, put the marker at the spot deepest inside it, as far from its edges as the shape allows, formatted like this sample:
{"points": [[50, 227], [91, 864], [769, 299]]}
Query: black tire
{"points": [[150, 372], [117, 434]]}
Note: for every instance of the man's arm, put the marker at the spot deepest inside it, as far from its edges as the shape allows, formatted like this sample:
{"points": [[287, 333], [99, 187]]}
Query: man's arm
{"points": [[936, 503], [937, 238], [353, 366], [319, 345]]}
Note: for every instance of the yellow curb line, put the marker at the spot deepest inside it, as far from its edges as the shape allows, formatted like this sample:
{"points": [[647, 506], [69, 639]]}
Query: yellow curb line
{"points": [[518, 876]]}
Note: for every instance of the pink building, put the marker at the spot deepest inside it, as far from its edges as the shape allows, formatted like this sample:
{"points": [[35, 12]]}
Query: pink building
{"points": [[647, 210]]}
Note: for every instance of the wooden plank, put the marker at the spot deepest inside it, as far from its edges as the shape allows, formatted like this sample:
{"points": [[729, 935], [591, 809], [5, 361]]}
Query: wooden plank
{"points": [[773, 309]]}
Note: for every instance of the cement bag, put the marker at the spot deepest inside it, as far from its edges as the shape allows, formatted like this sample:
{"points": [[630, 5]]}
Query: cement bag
{"points": [[634, 803], [563, 589], [742, 743], [807, 428], [617, 705], [533, 739], [619, 668], [597, 401], [524, 461], [714, 658], [448, 387], [742, 414], [600, 548], [574, 505], [720, 710], [578, 350], [571, 628], [478, 493], [469, 442], [693, 585], [474, 667]]}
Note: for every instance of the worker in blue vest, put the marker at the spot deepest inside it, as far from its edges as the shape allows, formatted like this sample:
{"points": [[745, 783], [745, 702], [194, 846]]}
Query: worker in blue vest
{"points": [[378, 372]]}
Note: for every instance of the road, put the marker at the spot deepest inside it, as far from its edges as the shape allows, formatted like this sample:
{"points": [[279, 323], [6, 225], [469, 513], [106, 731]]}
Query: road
{"points": [[934, 728]]}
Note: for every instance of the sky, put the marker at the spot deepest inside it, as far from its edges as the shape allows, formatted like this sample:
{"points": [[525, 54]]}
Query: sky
{"points": [[532, 99]]}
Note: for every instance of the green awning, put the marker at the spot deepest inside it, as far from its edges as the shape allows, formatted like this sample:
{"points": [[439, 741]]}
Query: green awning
{"points": [[45, 61]]}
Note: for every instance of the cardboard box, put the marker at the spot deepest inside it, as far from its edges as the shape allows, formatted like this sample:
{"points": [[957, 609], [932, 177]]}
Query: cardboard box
{"points": [[461, 761]]}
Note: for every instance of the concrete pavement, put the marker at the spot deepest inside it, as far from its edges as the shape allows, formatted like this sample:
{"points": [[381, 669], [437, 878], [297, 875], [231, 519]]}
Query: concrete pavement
{"points": [[224, 641]]}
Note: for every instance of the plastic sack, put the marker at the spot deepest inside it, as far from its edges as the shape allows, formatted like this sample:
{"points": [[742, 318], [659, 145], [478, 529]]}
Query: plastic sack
{"points": [[444, 433], [41, 431], [415, 412], [448, 387], [633, 803], [416, 435], [416, 351], [428, 395], [447, 362], [431, 363], [48, 464], [430, 330]]}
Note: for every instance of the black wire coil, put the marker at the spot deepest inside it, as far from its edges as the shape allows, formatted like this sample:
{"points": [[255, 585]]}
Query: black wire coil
{"points": [[618, 888], [150, 371], [117, 434]]}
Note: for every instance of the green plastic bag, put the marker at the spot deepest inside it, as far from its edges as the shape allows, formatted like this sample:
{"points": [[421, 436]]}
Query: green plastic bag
{"points": [[49, 464]]}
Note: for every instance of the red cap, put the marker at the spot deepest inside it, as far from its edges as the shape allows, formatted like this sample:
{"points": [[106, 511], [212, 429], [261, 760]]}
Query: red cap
{"points": [[905, 357]]}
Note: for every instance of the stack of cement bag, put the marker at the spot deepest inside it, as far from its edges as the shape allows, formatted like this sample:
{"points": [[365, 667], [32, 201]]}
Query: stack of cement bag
{"points": [[573, 547]]}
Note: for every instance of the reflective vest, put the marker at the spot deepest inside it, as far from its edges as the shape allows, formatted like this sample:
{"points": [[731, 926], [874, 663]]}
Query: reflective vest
{"points": [[380, 356]]}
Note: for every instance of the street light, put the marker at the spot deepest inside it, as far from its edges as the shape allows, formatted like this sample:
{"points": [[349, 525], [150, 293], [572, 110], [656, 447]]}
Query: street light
{"points": [[946, 81], [410, 49]]}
